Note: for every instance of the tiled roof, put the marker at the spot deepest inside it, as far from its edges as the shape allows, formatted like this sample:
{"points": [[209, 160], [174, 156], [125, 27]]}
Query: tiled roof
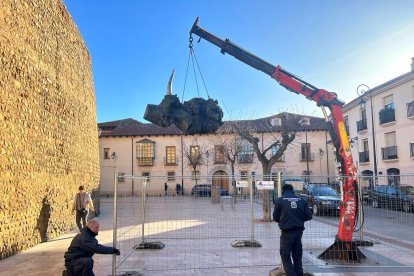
{"points": [[131, 127]]}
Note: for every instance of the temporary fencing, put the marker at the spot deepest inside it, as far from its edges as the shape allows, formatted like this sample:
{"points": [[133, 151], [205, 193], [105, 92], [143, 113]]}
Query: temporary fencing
{"points": [[221, 225]]}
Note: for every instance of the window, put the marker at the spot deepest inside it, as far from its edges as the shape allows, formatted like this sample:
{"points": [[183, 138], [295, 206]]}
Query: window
{"points": [[170, 176], [195, 152], [195, 175], [390, 139], [365, 145], [106, 153], [171, 158], [245, 151], [146, 175], [121, 178], [390, 151], [145, 152], [362, 124], [364, 155], [412, 149], [305, 122], [346, 123], [305, 154], [219, 157], [244, 175], [275, 148], [388, 102], [275, 122]]}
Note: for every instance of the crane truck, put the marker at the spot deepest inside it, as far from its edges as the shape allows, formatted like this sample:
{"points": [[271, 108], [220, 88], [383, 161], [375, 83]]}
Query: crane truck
{"points": [[343, 248]]}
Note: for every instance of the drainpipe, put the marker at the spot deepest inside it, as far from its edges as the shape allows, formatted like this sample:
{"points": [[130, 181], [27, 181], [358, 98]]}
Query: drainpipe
{"points": [[132, 165]]}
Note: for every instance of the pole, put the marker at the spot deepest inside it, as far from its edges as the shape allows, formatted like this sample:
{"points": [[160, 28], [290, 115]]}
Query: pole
{"points": [[279, 193], [114, 224], [307, 157], [373, 141], [143, 210], [251, 210]]}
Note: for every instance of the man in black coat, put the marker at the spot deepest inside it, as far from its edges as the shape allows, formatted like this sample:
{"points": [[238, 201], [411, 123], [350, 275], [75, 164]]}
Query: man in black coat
{"points": [[291, 212], [78, 258]]}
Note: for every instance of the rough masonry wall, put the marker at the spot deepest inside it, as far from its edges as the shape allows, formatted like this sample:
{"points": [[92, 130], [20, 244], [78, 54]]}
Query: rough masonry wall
{"points": [[48, 138]]}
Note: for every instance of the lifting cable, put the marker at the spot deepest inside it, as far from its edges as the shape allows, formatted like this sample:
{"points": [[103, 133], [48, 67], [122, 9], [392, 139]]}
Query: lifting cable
{"points": [[193, 57]]}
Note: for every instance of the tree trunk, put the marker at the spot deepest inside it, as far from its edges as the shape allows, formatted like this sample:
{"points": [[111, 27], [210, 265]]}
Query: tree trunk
{"points": [[266, 197]]}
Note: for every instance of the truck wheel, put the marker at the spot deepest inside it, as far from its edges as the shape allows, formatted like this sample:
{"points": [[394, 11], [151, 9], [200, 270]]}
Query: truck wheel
{"points": [[406, 207], [315, 210], [375, 203]]}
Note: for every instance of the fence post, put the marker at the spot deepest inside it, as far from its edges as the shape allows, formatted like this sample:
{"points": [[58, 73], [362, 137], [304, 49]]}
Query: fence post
{"points": [[114, 224]]}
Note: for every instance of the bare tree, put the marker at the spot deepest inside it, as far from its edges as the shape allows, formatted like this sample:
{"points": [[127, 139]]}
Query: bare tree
{"points": [[194, 157], [226, 147], [283, 135]]}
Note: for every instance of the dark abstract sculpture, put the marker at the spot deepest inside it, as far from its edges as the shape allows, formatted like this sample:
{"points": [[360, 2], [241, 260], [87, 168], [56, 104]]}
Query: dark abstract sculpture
{"points": [[194, 116]]}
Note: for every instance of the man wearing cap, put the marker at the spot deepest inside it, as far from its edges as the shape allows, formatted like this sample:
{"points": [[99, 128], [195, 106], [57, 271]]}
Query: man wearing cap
{"points": [[82, 204], [291, 212]]}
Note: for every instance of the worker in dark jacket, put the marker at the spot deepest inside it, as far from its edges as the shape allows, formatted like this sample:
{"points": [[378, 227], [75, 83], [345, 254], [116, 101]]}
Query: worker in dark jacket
{"points": [[78, 258], [291, 212]]}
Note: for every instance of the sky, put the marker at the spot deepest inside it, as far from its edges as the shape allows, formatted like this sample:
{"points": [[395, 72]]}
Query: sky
{"points": [[333, 45]]}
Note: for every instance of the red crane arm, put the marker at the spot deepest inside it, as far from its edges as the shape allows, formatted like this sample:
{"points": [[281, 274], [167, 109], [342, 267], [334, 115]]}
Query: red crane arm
{"points": [[343, 247]]}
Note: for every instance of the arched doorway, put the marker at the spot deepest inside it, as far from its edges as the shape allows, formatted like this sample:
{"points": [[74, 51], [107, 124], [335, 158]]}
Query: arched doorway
{"points": [[367, 179], [221, 178], [393, 176]]}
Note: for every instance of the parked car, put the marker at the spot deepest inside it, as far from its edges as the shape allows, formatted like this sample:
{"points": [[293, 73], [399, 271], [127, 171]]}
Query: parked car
{"points": [[322, 199], [201, 190], [400, 197]]}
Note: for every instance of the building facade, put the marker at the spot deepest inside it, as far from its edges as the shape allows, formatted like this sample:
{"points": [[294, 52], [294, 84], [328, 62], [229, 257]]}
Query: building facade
{"points": [[166, 155], [380, 125]]}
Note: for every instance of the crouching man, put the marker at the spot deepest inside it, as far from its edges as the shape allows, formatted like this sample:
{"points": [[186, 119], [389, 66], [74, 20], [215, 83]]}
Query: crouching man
{"points": [[78, 258], [291, 212]]}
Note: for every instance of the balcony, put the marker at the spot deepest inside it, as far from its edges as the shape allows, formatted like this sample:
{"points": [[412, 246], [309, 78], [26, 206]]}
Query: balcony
{"points": [[145, 161], [311, 157], [387, 115], [364, 157], [412, 149], [389, 153], [410, 109], [362, 125], [245, 158], [171, 161]]}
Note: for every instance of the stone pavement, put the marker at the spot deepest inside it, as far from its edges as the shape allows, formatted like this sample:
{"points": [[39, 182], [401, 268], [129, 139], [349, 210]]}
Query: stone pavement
{"points": [[47, 259]]}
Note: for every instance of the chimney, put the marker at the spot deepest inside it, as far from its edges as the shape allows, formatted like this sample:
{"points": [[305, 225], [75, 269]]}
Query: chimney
{"points": [[412, 64]]}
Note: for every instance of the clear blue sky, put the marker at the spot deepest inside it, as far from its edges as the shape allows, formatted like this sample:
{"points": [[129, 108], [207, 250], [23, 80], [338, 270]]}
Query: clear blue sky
{"points": [[335, 45]]}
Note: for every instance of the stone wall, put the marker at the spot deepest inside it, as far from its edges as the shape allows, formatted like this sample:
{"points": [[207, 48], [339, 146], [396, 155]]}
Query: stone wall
{"points": [[48, 138]]}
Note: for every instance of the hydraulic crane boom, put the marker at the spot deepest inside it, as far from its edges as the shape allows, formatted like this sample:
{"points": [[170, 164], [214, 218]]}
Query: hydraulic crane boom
{"points": [[343, 248]]}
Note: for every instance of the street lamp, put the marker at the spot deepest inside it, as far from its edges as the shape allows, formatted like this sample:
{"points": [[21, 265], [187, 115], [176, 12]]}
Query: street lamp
{"points": [[361, 92]]}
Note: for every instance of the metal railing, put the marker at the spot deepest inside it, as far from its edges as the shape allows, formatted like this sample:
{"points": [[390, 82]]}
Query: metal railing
{"points": [[363, 156], [389, 153], [387, 115], [362, 125]]}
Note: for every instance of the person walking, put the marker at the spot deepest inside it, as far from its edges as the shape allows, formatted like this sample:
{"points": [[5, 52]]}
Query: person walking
{"points": [[290, 213], [81, 205], [166, 189], [78, 257]]}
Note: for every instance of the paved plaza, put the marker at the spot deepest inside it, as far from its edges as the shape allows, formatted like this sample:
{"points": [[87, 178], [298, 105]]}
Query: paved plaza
{"points": [[206, 254]]}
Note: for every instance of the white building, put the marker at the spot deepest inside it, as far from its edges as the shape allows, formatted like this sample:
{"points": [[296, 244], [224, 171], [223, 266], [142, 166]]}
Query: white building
{"points": [[380, 126], [133, 148]]}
